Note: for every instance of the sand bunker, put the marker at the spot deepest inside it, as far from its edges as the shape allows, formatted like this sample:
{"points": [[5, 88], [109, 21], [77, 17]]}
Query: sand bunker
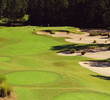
{"points": [[78, 38], [98, 67], [82, 38], [74, 54], [95, 55], [43, 33], [85, 38]]}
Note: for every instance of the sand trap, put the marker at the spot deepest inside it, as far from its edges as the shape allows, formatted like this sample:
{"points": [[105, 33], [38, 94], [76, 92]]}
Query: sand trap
{"points": [[61, 34], [43, 33], [98, 55], [96, 67], [95, 55], [74, 54], [78, 38], [82, 38], [85, 38]]}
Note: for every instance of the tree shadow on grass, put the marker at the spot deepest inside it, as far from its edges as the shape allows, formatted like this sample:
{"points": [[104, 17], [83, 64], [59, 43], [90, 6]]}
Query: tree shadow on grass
{"points": [[102, 77], [77, 46], [50, 30]]}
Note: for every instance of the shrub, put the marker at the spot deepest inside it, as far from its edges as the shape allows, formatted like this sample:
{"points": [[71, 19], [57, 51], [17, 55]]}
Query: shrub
{"points": [[72, 50], [5, 89], [108, 48], [80, 38], [94, 33], [104, 34], [92, 47], [108, 35], [52, 32], [106, 41], [94, 41], [83, 52]]}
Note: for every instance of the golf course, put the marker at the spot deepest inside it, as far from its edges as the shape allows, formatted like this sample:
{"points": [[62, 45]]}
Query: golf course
{"points": [[34, 70]]}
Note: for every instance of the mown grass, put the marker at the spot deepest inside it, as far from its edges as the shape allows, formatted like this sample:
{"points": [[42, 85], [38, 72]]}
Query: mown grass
{"points": [[33, 52]]}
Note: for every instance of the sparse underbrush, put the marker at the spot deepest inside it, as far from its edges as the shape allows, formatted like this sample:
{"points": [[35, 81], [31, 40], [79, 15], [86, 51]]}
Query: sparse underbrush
{"points": [[5, 89]]}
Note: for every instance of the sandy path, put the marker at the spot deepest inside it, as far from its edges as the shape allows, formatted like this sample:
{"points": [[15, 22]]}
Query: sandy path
{"points": [[105, 70]]}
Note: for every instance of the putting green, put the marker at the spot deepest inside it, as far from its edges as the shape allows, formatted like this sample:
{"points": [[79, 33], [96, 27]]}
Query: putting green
{"points": [[83, 96], [32, 77]]}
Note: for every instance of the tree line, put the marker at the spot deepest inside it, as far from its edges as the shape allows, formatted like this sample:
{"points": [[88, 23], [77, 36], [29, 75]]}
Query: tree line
{"points": [[91, 13]]}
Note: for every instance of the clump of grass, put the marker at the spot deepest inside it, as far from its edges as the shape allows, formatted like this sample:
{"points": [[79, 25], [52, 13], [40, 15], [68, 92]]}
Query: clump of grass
{"points": [[5, 89], [61, 29], [92, 47], [72, 50], [108, 48], [94, 34], [83, 52], [94, 41]]}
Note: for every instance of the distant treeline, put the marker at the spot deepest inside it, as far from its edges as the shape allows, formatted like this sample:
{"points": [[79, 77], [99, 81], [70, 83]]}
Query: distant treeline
{"points": [[91, 13]]}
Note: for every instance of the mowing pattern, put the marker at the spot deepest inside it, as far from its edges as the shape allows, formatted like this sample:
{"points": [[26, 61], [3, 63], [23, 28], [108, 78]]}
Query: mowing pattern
{"points": [[36, 72], [83, 96], [5, 59]]}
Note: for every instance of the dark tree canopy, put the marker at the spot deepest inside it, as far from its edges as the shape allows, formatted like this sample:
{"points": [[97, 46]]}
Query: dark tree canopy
{"points": [[59, 12]]}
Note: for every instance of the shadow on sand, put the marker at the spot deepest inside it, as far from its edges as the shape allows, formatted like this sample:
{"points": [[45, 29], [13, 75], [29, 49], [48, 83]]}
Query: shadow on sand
{"points": [[102, 77], [78, 46], [100, 63]]}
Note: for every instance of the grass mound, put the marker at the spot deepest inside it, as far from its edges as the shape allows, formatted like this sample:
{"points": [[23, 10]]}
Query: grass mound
{"points": [[32, 77]]}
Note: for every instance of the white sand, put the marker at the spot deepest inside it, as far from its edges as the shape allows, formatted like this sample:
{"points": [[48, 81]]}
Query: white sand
{"points": [[85, 38], [105, 70], [43, 33], [96, 55], [78, 38], [74, 54], [82, 38]]}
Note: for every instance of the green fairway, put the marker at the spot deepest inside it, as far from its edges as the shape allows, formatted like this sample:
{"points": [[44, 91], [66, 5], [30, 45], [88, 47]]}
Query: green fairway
{"points": [[36, 72], [83, 96], [5, 59]]}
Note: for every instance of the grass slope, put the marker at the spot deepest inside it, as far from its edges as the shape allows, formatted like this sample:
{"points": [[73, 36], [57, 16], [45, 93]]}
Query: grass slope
{"points": [[25, 51]]}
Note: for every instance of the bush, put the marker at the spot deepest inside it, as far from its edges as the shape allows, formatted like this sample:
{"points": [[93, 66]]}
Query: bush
{"points": [[83, 52], [104, 34], [108, 35], [94, 33], [92, 47], [94, 41], [5, 89], [108, 48], [72, 50]]}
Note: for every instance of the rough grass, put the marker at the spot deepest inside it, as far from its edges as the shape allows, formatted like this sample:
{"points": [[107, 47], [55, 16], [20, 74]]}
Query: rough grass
{"points": [[60, 29], [33, 52], [82, 95]]}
